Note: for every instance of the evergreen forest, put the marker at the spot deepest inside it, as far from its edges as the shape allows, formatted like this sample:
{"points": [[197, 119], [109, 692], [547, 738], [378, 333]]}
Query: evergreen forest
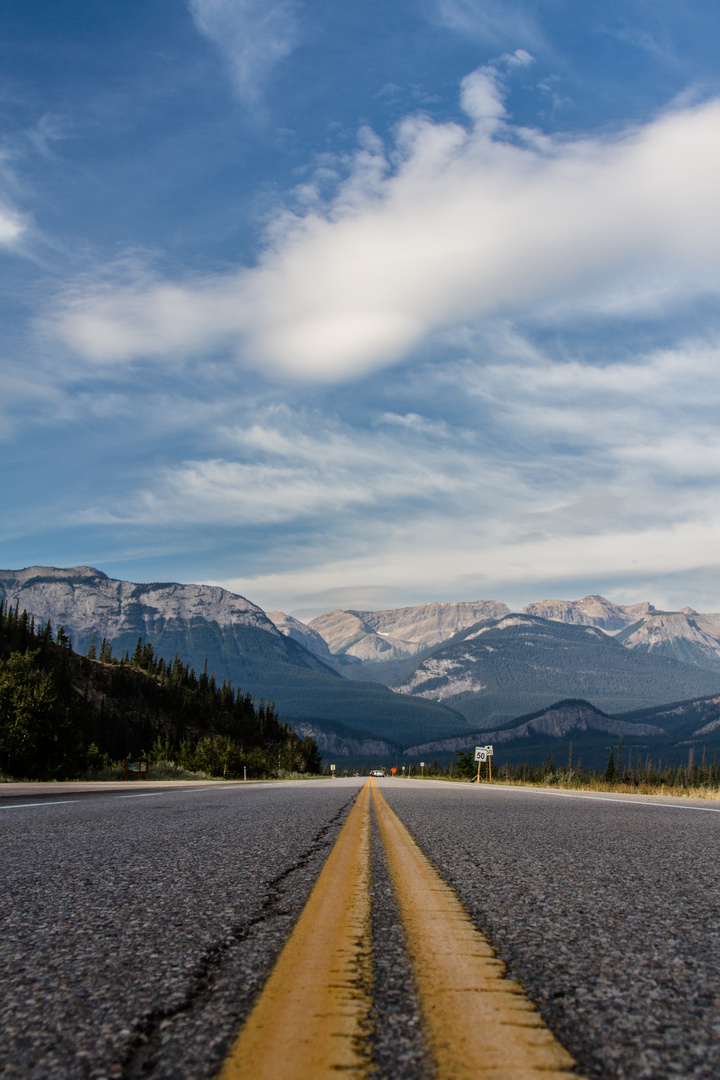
{"points": [[64, 716]]}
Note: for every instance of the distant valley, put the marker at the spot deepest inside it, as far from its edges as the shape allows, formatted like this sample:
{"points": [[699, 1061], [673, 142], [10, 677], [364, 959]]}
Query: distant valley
{"points": [[574, 732]]}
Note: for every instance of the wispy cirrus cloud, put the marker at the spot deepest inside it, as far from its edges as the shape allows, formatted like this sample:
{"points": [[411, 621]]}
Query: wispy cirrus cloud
{"points": [[494, 21], [12, 226], [453, 224], [252, 36], [631, 565], [296, 467], [551, 471], [13, 222]]}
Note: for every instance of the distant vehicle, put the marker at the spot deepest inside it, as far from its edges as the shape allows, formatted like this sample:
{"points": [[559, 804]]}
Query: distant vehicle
{"points": [[377, 772]]}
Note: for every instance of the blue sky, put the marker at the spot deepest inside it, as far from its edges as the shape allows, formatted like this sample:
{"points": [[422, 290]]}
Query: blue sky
{"points": [[361, 304]]}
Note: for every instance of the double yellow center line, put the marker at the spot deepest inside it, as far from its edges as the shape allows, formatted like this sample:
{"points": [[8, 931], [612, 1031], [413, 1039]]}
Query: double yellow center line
{"points": [[312, 1019]]}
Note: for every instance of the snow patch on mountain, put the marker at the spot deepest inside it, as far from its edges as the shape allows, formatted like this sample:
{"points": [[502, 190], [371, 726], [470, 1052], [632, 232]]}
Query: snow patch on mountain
{"points": [[450, 689], [438, 681], [504, 624]]}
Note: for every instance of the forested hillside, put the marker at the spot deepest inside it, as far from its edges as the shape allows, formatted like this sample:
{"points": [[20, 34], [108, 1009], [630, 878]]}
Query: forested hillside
{"points": [[514, 666], [62, 715], [239, 642]]}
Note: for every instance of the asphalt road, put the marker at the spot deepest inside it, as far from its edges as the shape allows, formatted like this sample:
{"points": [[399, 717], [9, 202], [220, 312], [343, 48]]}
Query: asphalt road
{"points": [[136, 932], [607, 911]]}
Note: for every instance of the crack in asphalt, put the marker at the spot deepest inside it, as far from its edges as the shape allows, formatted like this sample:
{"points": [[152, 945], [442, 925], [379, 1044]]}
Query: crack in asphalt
{"points": [[146, 1033]]}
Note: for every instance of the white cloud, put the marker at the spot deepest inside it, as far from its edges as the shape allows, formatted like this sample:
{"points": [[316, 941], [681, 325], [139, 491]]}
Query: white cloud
{"points": [[418, 565], [253, 35], [455, 224], [481, 96], [12, 227], [497, 21], [295, 468], [557, 471], [21, 390]]}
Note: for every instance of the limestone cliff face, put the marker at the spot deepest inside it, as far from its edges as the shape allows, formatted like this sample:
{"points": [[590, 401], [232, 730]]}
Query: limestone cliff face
{"points": [[347, 633], [431, 624], [86, 601], [333, 743], [683, 635], [679, 635], [400, 632], [590, 611]]}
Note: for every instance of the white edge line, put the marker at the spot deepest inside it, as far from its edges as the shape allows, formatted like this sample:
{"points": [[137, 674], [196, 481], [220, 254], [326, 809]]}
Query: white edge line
{"points": [[55, 802], [149, 794], [600, 798]]}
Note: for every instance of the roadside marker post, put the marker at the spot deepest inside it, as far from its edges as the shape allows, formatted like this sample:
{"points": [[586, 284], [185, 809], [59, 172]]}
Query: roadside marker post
{"points": [[332, 771], [422, 767]]}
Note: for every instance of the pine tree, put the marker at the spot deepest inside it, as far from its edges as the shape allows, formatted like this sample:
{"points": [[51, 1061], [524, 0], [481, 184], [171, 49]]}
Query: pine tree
{"points": [[610, 770]]}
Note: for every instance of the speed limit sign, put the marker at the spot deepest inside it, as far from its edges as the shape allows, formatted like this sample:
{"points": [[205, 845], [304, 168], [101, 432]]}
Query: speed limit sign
{"points": [[483, 753]]}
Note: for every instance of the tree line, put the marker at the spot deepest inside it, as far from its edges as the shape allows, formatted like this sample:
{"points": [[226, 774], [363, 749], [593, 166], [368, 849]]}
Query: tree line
{"points": [[622, 770], [63, 715]]}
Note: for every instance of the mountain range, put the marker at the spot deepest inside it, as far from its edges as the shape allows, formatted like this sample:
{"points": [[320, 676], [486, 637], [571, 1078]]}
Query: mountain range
{"points": [[399, 678], [399, 632], [377, 638], [239, 642], [514, 665]]}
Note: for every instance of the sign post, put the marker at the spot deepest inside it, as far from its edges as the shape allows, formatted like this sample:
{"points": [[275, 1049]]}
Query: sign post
{"points": [[422, 768], [332, 771], [483, 753], [141, 766]]}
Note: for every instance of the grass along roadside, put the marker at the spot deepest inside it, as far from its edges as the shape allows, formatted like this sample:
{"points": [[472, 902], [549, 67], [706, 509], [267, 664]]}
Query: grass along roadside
{"points": [[689, 791]]}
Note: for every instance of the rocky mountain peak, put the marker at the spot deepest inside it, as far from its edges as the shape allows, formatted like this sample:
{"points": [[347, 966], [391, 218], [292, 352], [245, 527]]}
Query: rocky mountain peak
{"points": [[87, 601], [401, 632], [300, 632]]}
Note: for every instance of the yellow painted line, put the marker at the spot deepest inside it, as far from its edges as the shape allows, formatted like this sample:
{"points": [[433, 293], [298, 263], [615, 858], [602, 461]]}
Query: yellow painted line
{"points": [[312, 1018], [477, 1021]]}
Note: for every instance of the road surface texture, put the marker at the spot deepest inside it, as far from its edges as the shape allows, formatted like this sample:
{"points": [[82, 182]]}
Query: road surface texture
{"points": [[607, 911], [137, 932]]}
